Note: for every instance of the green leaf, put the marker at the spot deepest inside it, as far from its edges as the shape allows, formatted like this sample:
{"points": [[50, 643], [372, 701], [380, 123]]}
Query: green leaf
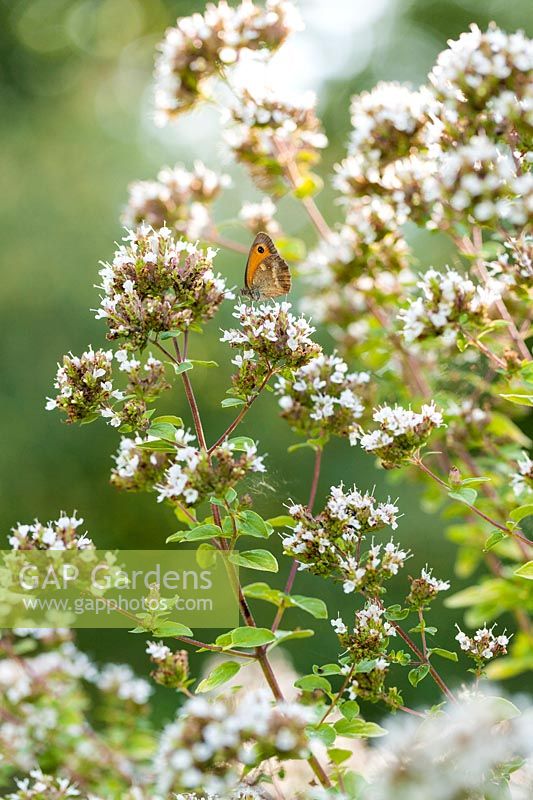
{"points": [[495, 537], [439, 651], [349, 709], [283, 521], [294, 447], [251, 524], [195, 362], [474, 481], [169, 628], [358, 728], [185, 366], [262, 591], [163, 430], [325, 733], [179, 536], [203, 532], [525, 571], [255, 559], [170, 419], [418, 674], [285, 636], [313, 605], [230, 496], [219, 675], [169, 335], [158, 446], [337, 754], [229, 402], [251, 637], [308, 683], [241, 442], [520, 513], [467, 496], [327, 669], [396, 612], [206, 555], [519, 399]]}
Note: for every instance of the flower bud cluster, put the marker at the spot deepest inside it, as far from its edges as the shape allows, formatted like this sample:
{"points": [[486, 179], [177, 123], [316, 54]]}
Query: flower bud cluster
{"points": [[138, 469], [85, 385], [483, 81], [172, 668], [322, 397], [201, 45], [484, 645], [267, 130], [195, 475], [270, 337], [401, 433], [448, 300], [204, 748], [156, 284], [146, 380], [368, 639], [62, 534], [330, 544], [177, 199], [425, 588], [260, 217]]}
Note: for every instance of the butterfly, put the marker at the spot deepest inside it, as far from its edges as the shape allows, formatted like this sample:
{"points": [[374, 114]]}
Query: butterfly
{"points": [[266, 273]]}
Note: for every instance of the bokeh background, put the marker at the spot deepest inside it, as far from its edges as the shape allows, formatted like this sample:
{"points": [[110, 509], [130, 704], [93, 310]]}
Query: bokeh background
{"points": [[75, 128]]}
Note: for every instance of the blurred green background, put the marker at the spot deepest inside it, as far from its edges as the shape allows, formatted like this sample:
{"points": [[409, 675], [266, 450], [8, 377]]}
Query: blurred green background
{"points": [[75, 128]]}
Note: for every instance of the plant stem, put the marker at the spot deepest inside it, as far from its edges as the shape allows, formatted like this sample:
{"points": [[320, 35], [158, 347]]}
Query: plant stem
{"points": [[228, 244], [516, 534], [242, 413], [423, 633], [294, 565], [338, 696], [432, 671]]}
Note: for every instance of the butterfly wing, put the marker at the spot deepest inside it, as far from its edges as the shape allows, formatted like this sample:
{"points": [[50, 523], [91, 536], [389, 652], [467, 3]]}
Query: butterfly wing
{"points": [[266, 274]]}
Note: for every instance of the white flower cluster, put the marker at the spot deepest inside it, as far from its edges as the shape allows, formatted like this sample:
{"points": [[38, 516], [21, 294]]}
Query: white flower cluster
{"points": [[62, 534], [436, 584], [156, 283], [39, 785], [479, 180], [203, 748], [484, 645], [514, 267], [137, 468], [454, 754], [425, 588], [368, 619], [272, 331], [85, 385], [193, 51], [322, 396], [192, 476], [484, 78], [178, 198], [260, 217], [120, 681], [401, 432], [387, 121], [522, 481], [448, 300]]}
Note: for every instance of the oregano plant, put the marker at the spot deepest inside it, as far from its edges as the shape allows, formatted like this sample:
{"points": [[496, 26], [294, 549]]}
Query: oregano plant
{"points": [[428, 371]]}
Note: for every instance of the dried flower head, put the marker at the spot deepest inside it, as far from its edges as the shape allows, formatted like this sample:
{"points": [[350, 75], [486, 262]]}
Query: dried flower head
{"points": [[368, 638], [401, 433], [172, 668], [201, 45], [322, 397], [157, 284], [178, 198]]}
